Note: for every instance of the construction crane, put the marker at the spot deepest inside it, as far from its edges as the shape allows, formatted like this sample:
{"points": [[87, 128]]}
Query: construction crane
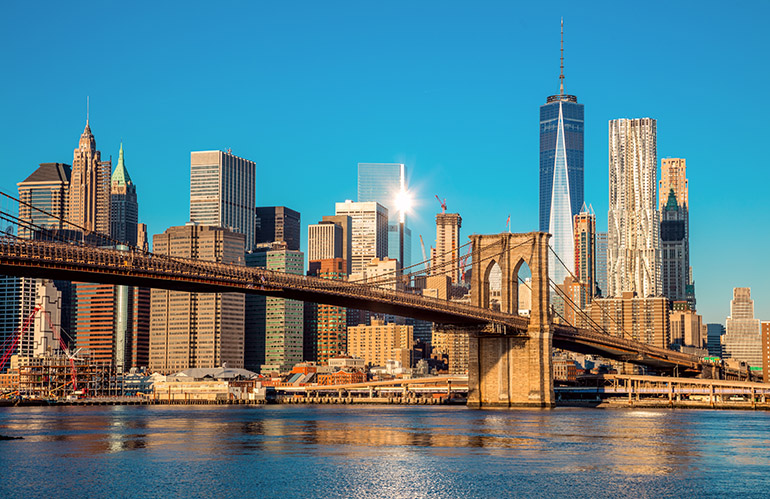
{"points": [[424, 256], [443, 204], [464, 260]]}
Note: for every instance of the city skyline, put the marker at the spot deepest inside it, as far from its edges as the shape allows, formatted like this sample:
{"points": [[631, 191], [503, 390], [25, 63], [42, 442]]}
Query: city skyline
{"points": [[160, 128]]}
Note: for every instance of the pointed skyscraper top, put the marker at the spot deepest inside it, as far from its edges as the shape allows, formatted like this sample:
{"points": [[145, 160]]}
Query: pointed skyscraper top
{"points": [[672, 204], [584, 209], [120, 175], [561, 69]]}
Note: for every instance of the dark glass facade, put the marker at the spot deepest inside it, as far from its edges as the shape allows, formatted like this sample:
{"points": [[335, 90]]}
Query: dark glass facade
{"points": [[573, 141]]}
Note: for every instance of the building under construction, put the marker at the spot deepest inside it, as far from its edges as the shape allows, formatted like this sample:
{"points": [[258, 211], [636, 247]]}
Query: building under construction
{"points": [[56, 377]]}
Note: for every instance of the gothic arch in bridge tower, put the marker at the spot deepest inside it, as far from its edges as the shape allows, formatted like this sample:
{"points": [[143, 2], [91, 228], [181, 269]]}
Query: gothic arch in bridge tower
{"points": [[510, 370]]}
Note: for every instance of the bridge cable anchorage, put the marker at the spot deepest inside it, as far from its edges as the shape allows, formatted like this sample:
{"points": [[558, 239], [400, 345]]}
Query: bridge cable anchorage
{"points": [[604, 311]]}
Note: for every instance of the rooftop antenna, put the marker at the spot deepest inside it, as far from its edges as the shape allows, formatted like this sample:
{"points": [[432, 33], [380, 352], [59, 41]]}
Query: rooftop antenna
{"points": [[88, 107], [561, 74]]}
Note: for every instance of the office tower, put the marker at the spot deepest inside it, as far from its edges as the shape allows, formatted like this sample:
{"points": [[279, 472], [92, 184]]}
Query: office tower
{"points": [[44, 197], [346, 224], [685, 326], [223, 191], [385, 183], [112, 323], [284, 318], [743, 333], [89, 193], [676, 273], [674, 266], [197, 329], [632, 258], [142, 242], [46, 190], [673, 175], [601, 264], [714, 334], [381, 342], [766, 351], [278, 224], [446, 258], [585, 254], [324, 241], [331, 322], [369, 232], [454, 346], [561, 174], [255, 317], [639, 318], [124, 208]]}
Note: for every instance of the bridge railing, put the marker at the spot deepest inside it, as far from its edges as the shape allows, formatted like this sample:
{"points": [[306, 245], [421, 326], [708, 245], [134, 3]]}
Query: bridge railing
{"points": [[164, 266]]}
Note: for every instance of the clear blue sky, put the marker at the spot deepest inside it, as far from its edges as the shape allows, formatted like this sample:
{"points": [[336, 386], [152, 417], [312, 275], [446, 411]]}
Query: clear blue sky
{"points": [[452, 89]]}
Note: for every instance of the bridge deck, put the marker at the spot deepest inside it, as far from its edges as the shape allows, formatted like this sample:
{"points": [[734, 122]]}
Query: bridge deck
{"points": [[31, 258]]}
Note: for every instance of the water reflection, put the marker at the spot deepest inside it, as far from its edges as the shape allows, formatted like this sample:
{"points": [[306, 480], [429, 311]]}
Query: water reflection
{"points": [[404, 451]]}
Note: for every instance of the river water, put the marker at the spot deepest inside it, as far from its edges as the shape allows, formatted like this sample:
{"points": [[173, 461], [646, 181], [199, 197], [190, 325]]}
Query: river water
{"points": [[381, 451]]}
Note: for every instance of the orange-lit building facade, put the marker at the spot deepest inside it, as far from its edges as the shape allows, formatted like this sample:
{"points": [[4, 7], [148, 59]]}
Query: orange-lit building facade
{"points": [[331, 339]]}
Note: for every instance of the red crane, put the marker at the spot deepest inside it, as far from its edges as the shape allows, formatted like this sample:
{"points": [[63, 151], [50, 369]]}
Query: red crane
{"points": [[443, 204]]}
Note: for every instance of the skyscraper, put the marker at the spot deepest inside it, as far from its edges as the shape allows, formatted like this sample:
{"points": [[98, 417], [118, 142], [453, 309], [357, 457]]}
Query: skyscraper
{"points": [[44, 197], [385, 183], [324, 241], [124, 208], [197, 329], [46, 190], [601, 263], [89, 193], [331, 323], [632, 258], [743, 335], [561, 173], [223, 191], [674, 268], [346, 224], [585, 254], [675, 231], [369, 232], [278, 224], [284, 318], [445, 260]]}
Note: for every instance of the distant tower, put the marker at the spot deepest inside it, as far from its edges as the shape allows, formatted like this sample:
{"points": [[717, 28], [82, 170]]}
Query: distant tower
{"points": [[124, 208], [673, 172], [445, 260], [223, 191], [585, 254], [561, 173], [674, 268], [89, 194], [369, 232], [632, 259], [743, 336], [384, 183], [278, 224]]}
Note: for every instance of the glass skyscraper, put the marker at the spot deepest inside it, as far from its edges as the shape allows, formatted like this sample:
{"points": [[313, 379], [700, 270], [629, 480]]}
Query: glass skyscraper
{"points": [[561, 175], [382, 183]]}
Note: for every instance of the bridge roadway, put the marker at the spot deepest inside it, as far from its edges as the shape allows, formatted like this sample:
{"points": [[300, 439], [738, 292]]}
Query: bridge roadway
{"points": [[72, 262]]}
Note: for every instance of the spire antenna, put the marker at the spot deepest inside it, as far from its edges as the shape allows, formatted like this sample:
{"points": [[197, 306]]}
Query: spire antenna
{"points": [[88, 107], [561, 74]]}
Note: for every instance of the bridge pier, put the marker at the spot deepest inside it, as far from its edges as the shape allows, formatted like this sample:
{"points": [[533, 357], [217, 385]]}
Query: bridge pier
{"points": [[507, 370]]}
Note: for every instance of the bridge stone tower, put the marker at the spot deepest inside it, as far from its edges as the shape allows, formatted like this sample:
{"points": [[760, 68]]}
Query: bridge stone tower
{"points": [[511, 370]]}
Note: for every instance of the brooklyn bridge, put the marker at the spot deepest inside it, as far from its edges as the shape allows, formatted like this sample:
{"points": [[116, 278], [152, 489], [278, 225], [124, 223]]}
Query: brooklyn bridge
{"points": [[510, 360]]}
